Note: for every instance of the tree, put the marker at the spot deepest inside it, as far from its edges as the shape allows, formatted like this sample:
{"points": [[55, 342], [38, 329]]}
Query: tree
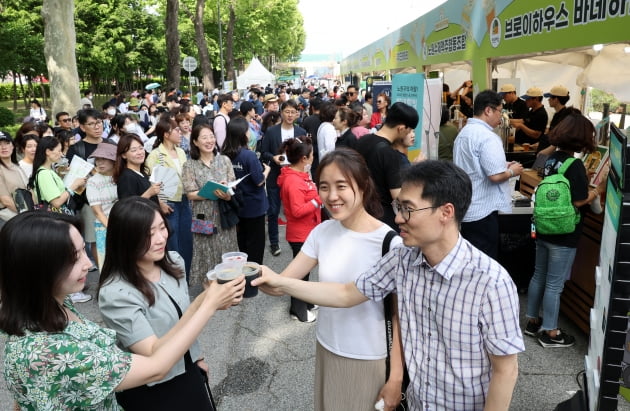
{"points": [[59, 46], [202, 44], [173, 66]]}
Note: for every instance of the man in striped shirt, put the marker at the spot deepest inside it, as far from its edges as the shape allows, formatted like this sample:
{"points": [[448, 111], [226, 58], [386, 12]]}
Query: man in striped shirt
{"points": [[458, 308], [479, 151]]}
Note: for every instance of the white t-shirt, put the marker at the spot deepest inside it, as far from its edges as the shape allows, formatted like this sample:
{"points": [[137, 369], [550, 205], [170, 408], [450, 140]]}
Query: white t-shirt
{"points": [[287, 133], [28, 168], [101, 190], [357, 332], [326, 138]]}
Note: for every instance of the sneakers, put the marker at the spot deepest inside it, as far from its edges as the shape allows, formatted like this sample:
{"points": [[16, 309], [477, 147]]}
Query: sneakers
{"points": [[310, 317], [275, 250], [80, 297], [281, 221], [561, 340], [533, 328]]}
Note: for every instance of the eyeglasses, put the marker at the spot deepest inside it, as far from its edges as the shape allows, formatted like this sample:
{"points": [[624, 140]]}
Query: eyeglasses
{"points": [[94, 124], [351, 93], [379, 101], [65, 120], [406, 211], [290, 112]]}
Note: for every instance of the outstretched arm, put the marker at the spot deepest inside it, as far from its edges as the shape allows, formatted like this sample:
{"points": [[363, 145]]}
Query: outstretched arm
{"points": [[326, 294]]}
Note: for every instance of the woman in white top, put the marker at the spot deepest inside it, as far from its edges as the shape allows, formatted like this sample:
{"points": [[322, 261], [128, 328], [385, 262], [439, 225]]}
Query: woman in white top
{"points": [[37, 113], [166, 153], [351, 342], [326, 133], [28, 146]]}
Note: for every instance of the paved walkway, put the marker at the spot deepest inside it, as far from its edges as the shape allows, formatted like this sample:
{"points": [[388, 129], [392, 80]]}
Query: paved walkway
{"points": [[260, 359]]}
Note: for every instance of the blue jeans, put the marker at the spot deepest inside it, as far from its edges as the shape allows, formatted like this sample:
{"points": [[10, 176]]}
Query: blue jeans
{"points": [[550, 272], [180, 236], [273, 195]]}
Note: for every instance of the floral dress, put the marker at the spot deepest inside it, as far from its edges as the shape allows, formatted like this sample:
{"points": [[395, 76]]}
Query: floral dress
{"points": [[78, 368], [207, 249]]}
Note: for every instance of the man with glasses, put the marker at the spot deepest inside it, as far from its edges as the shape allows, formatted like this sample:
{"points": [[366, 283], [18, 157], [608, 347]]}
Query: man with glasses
{"points": [[479, 151], [219, 125], [271, 142], [458, 308]]}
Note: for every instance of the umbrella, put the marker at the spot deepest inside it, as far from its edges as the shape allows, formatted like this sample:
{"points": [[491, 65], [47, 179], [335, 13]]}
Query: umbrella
{"points": [[151, 86]]}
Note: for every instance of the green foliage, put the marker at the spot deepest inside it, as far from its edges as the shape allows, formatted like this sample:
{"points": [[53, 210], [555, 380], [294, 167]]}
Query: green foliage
{"points": [[6, 117], [124, 40], [599, 98]]}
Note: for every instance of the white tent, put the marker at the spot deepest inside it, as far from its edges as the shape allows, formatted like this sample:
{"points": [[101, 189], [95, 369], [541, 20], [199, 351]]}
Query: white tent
{"points": [[255, 73]]}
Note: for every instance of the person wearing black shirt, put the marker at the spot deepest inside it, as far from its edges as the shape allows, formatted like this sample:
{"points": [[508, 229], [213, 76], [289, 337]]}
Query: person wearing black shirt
{"points": [[533, 125], [558, 97], [513, 104], [383, 161]]}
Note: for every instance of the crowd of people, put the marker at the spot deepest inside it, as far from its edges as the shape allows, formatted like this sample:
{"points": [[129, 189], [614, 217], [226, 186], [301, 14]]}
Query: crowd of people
{"points": [[374, 223]]}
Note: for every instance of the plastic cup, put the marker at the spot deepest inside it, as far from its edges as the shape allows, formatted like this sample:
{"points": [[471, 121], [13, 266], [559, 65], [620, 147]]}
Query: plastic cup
{"points": [[251, 271], [226, 273], [235, 259], [211, 275]]}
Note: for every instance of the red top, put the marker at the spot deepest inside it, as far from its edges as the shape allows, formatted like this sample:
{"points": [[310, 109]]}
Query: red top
{"points": [[296, 192]]}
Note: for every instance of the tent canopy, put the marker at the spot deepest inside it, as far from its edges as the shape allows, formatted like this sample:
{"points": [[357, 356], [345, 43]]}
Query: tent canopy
{"points": [[255, 73]]}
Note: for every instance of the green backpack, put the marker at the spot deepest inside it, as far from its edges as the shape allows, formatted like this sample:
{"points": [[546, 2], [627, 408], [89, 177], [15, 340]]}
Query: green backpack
{"points": [[554, 212]]}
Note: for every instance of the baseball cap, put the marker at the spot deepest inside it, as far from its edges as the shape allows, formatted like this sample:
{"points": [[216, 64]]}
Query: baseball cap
{"points": [[5, 136], [507, 88], [559, 91], [532, 92]]}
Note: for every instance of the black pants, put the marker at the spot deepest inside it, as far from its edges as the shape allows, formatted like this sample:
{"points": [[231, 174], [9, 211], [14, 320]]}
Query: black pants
{"points": [[484, 234], [299, 307], [250, 235]]}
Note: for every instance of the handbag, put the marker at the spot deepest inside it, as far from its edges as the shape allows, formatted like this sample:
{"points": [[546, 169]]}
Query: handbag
{"points": [[388, 304], [23, 200], [182, 391], [201, 226], [46, 206]]}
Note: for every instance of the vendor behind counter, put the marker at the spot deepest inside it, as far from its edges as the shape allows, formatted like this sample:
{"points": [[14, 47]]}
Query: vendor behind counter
{"points": [[530, 128]]}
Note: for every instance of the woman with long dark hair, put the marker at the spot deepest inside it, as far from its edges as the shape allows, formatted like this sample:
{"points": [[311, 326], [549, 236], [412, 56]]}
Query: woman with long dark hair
{"points": [[131, 174], [166, 153], [251, 227], [54, 357], [351, 342], [143, 294], [206, 164]]}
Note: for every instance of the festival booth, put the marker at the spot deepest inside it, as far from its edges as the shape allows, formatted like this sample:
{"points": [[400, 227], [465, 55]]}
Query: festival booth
{"points": [[578, 44], [255, 73]]}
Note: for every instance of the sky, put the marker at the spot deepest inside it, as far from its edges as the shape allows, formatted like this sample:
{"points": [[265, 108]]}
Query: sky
{"points": [[345, 26]]}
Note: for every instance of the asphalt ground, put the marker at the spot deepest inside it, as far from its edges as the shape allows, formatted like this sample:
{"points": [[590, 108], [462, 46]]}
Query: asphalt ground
{"points": [[261, 359]]}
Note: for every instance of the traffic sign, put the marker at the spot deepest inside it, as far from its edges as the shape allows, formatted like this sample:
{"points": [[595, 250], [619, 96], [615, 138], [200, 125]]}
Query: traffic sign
{"points": [[190, 64]]}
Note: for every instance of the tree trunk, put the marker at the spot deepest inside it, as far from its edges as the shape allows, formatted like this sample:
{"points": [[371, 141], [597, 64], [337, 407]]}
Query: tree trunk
{"points": [[229, 45], [173, 65], [59, 51], [15, 95], [202, 47]]}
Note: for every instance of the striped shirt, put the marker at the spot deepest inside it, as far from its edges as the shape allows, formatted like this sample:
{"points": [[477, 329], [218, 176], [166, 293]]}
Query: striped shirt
{"points": [[479, 152], [452, 316]]}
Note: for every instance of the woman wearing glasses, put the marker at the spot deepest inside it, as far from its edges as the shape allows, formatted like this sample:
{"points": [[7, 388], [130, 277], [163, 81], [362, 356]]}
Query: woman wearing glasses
{"points": [[351, 342], [382, 105]]}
